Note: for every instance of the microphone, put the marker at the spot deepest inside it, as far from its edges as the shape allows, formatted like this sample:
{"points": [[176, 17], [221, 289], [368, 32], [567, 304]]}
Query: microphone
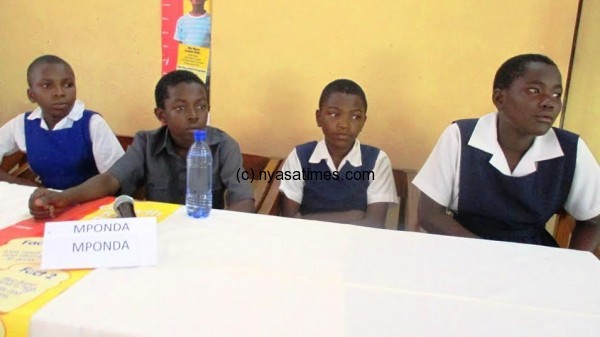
{"points": [[123, 206]]}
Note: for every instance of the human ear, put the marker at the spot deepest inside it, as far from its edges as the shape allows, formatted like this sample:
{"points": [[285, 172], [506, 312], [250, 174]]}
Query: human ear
{"points": [[30, 96], [160, 115], [498, 98], [318, 117]]}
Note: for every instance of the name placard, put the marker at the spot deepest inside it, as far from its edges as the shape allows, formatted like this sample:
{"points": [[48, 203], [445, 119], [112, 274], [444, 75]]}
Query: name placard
{"points": [[100, 243]]}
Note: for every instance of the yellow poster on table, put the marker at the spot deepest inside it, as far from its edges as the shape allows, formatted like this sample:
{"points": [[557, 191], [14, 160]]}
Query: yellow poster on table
{"points": [[24, 288]]}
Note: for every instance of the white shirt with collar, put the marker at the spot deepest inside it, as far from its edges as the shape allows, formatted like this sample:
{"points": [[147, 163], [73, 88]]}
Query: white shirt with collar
{"points": [[439, 177], [105, 145], [381, 188]]}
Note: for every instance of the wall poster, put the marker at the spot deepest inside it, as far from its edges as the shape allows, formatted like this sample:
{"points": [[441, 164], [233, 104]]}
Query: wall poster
{"points": [[186, 36]]}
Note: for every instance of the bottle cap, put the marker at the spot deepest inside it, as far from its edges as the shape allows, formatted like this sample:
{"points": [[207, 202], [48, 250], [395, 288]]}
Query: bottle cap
{"points": [[199, 135]]}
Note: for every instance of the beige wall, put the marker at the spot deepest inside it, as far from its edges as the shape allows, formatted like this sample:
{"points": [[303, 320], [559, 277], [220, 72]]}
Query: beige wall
{"points": [[582, 113], [421, 63]]}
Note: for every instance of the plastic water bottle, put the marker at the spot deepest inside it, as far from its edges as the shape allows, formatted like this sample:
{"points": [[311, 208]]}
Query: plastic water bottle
{"points": [[198, 199]]}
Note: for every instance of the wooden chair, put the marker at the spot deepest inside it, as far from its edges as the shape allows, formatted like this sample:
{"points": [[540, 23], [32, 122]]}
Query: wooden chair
{"points": [[125, 141], [271, 204], [563, 228], [408, 197], [259, 168], [17, 166]]}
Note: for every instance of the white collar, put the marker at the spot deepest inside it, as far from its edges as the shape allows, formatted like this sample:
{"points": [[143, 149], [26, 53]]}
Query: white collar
{"points": [[74, 115], [354, 157], [485, 138]]}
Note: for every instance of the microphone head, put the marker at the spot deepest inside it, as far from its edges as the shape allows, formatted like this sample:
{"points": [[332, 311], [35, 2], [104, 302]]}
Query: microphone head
{"points": [[122, 199]]}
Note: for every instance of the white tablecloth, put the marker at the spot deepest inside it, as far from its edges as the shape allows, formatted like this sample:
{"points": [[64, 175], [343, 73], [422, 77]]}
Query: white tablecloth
{"points": [[237, 274]]}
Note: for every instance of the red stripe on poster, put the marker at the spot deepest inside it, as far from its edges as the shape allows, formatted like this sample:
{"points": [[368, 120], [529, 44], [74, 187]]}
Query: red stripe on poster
{"points": [[171, 11]]}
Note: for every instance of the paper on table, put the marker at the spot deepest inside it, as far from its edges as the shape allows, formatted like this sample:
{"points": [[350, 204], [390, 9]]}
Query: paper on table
{"points": [[116, 242]]}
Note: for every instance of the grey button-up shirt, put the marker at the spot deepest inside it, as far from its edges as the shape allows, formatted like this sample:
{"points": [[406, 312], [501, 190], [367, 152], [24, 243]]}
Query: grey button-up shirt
{"points": [[151, 162]]}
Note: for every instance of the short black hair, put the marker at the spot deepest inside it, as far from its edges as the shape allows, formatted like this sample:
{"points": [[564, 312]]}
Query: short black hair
{"points": [[344, 86], [161, 92], [515, 67], [44, 59]]}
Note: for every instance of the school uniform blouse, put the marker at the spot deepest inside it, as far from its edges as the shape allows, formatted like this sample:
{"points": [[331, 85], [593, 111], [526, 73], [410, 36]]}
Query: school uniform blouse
{"points": [[381, 188], [439, 176], [105, 146]]}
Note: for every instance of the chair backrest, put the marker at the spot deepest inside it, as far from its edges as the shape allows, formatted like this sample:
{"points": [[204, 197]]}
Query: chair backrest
{"points": [[563, 228], [17, 166], [260, 170], [408, 197], [271, 204], [125, 141], [12, 162]]}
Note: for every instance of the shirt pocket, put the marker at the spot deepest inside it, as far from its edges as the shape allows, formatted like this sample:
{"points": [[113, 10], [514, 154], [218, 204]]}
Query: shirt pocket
{"points": [[158, 192]]}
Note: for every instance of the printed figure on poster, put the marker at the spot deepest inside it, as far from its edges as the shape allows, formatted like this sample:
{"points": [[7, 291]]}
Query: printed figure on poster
{"points": [[193, 28]]}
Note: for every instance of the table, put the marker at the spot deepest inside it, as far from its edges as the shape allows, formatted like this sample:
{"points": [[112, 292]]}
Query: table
{"points": [[237, 274]]}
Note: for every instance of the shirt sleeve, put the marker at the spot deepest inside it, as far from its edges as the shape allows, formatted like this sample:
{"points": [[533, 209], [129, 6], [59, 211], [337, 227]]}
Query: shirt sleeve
{"points": [[292, 188], [105, 145], [438, 178], [583, 202], [382, 188], [12, 136], [231, 163], [179, 30], [129, 169]]}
